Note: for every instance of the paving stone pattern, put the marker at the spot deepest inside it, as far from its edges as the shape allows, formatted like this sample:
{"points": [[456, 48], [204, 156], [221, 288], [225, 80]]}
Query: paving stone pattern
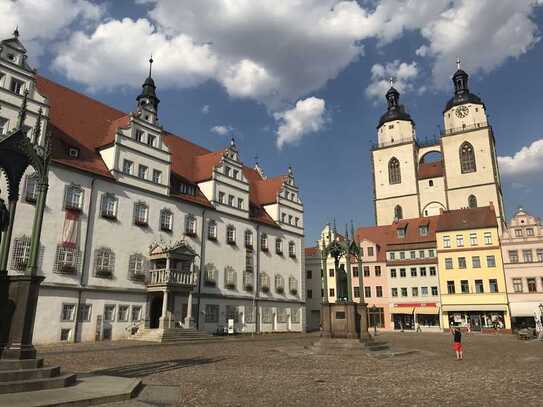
{"points": [[285, 370]]}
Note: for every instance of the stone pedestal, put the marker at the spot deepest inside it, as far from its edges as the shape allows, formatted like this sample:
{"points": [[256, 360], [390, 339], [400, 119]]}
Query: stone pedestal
{"points": [[341, 320], [18, 313]]}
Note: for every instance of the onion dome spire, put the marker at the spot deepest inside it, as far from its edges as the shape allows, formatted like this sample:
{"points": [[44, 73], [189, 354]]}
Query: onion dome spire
{"points": [[395, 111], [462, 94], [148, 93]]}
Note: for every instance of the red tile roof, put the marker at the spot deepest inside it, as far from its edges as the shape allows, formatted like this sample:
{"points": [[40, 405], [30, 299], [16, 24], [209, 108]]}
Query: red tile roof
{"points": [[377, 235], [467, 218], [78, 121], [312, 251], [431, 170]]}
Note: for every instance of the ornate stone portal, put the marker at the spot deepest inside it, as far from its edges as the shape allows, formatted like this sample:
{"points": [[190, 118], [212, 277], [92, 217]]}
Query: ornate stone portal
{"points": [[171, 276], [344, 318]]}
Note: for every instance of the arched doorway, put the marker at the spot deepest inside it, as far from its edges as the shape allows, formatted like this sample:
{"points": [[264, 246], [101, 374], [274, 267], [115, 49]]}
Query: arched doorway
{"points": [[156, 311]]}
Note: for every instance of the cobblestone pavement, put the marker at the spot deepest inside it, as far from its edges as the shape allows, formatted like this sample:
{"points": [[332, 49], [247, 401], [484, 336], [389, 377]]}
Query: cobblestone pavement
{"points": [[284, 370]]}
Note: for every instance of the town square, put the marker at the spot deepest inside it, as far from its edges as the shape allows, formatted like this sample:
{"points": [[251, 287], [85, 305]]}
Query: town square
{"points": [[235, 203]]}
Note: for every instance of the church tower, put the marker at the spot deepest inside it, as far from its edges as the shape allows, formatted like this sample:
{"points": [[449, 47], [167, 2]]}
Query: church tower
{"points": [[394, 169], [469, 151]]}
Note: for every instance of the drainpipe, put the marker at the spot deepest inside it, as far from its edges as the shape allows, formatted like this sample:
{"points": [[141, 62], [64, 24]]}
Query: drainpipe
{"points": [[202, 256], [82, 281], [257, 282]]}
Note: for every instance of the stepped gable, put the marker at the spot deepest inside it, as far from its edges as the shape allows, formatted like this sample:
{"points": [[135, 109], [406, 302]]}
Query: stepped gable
{"points": [[79, 121], [431, 170], [467, 218]]}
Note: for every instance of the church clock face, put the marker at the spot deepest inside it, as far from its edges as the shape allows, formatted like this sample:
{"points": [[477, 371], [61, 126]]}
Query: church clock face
{"points": [[461, 111]]}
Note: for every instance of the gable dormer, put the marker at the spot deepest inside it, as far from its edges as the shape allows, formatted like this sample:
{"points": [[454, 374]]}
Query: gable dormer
{"points": [[18, 79], [287, 210]]}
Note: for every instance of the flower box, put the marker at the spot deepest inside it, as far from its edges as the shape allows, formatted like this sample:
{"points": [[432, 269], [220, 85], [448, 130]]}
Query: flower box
{"points": [[248, 287], [265, 289], [231, 286], [294, 291], [280, 290]]}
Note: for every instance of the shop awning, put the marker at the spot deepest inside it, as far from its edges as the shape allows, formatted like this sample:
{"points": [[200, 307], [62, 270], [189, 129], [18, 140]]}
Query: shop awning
{"points": [[474, 307], [415, 309]]}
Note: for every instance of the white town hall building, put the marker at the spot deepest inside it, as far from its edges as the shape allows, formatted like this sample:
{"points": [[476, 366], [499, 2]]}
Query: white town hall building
{"points": [[118, 183]]}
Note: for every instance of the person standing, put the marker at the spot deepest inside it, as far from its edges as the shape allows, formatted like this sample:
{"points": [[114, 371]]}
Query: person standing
{"points": [[457, 344]]}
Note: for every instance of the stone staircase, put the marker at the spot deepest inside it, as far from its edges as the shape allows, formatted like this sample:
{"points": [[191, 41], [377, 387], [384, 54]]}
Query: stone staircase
{"points": [[173, 335], [30, 375]]}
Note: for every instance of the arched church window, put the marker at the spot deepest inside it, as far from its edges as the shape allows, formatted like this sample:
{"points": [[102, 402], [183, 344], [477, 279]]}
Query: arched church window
{"points": [[394, 175], [472, 201], [398, 212], [467, 158]]}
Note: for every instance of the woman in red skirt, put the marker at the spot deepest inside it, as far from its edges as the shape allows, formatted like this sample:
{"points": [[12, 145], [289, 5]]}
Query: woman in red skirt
{"points": [[457, 344]]}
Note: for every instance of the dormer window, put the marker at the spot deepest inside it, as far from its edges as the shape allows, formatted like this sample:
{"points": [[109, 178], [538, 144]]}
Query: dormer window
{"points": [[11, 57], [400, 232], [423, 230], [17, 86], [139, 136], [73, 152]]}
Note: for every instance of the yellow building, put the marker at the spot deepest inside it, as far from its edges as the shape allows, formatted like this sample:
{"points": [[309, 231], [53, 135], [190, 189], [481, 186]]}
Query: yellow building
{"points": [[471, 274]]}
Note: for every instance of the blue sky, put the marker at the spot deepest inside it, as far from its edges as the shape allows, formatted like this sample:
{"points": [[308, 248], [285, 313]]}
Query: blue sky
{"points": [[301, 82]]}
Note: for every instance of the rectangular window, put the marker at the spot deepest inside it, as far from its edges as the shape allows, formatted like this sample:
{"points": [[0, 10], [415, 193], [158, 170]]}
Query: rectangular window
{"points": [[394, 292], [490, 261], [527, 256], [461, 262], [423, 229], [231, 200], [518, 232], [431, 253], [356, 292], [139, 136], [493, 284], [221, 197], [415, 291], [529, 232], [446, 241], [402, 255], [122, 315], [434, 290], [355, 272], [476, 262], [151, 140], [403, 273], [479, 289], [128, 167], [142, 171], [157, 176], [450, 287], [166, 220], [379, 291], [413, 272], [309, 294], [392, 255], [464, 286], [423, 271], [459, 240], [370, 251], [3, 126], [488, 238], [309, 274], [65, 334], [331, 272], [513, 256], [413, 254], [404, 291], [421, 254], [392, 273], [140, 214], [240, 203], [367, 292], [400, 233], [249, 314], [68, 312], [212, 313], [424, 291], [109, 312], [473, 239], [17, 86], [235, 174], [85, 312], [448, 263], [531, 285], [267, 315], [432, 271], [135, 313], [366, 271], [377, 271], [332, 292], [74, 197], [517, 285], [539, 253]]}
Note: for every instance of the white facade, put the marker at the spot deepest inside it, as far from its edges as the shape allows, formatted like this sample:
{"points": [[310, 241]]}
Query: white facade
{"points": [[123, 211]]}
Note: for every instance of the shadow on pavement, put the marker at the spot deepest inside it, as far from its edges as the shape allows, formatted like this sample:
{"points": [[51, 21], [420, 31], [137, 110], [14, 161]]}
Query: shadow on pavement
{"points": [[146, 369]]}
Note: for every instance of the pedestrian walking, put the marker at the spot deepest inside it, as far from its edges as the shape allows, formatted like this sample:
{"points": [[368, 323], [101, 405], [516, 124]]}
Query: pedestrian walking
{"points": [[457, 344]]}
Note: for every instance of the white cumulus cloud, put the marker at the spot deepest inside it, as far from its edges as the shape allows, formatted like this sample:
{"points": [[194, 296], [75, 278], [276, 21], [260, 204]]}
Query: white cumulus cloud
{"points": [[308, 116], [205, 109], [402, 73], [525, 162], [222, 130]]}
